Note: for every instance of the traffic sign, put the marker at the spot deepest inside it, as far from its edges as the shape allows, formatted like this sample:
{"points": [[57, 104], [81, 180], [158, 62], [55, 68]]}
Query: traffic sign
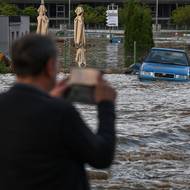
{"points": [[112, 17]]}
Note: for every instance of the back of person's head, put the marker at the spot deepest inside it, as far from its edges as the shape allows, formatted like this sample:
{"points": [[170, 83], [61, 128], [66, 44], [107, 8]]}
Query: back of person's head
{"points": [[31, 54]]}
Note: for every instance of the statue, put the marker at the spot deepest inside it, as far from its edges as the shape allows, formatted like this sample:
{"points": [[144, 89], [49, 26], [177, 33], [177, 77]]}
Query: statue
{"points": [[79, 37], [43, 20]]}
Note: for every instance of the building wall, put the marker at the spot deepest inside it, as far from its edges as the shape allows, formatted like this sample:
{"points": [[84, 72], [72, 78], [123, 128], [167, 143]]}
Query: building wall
{"points": [[18, 27], [11, 29], [4, 34]]}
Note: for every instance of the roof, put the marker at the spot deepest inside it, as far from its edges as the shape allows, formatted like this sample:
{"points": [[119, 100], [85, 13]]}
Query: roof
{"points": [[169, 49]]}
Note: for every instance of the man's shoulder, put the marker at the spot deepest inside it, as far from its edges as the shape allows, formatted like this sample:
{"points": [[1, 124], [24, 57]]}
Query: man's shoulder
{"points": [[46, 102]]}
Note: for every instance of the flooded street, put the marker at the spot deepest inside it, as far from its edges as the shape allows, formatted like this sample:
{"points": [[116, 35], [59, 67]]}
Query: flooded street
{"points": [[100, 54], [153, 128]]}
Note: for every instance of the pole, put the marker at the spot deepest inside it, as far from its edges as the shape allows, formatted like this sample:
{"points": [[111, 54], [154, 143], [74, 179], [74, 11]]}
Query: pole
{"points": [[157, 15], [135, 51], [69, 14]]}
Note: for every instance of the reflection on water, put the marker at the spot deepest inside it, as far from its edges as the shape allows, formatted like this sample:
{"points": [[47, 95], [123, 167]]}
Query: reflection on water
{"points": [[100, 54], [112, 55]]}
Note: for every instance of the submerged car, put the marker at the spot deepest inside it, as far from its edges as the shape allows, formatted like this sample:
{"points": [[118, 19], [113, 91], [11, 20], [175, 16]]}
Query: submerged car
{"points": [[165, 64]]}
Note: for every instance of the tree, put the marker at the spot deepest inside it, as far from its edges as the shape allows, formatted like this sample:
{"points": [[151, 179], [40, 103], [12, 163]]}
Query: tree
{"points": [[9, 10], [138, 27], [31, 12], [100, 13], [94, 16], [121, 15], [90, 15], [181, 16]]}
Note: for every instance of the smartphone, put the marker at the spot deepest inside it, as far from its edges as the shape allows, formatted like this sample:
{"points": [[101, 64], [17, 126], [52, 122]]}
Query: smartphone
{"points": [[82, 84]]}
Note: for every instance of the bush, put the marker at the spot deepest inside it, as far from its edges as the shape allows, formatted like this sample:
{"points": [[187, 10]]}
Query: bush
{"points": [[3, 68], [9, 9], [31, 12], [12, 10], [138, 27]]}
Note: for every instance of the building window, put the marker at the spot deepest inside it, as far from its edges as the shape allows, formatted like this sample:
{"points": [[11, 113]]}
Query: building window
{"points": [[12, 36], [60, 11], [17, 34]]}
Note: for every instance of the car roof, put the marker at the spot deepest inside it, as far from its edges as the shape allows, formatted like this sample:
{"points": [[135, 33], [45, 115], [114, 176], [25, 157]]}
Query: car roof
{"points": [[169, 49]]}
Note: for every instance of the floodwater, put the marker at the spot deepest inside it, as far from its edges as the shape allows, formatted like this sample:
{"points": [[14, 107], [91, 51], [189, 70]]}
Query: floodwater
{"points": [[153, 130], [99, 52]]}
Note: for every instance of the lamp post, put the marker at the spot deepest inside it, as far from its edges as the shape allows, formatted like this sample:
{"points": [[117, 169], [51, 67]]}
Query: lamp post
{"points": [[157, 15], [69, 14]]}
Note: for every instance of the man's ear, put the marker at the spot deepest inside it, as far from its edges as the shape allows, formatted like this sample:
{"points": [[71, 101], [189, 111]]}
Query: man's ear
{"points": [[50, 69]]}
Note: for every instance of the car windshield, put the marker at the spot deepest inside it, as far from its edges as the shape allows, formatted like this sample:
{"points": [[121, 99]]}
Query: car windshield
{"points": [[167, 57]]}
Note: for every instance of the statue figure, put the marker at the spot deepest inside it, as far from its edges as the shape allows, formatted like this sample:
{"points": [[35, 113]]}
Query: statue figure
{"points": [[42, 19], [79, 37]]}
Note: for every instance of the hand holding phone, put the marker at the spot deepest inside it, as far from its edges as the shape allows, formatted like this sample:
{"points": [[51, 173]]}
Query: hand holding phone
{"points": [[88, 86], [59, 88], [81, 86]]}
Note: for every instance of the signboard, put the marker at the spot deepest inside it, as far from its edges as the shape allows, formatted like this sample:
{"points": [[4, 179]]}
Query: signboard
{"points": [[112, 18]]}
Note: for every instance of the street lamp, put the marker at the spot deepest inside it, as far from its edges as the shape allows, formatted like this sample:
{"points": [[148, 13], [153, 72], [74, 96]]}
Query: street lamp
{"points": [[156, 15], [69, 14]]}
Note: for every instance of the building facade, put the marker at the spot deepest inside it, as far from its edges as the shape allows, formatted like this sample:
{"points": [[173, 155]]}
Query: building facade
{"points": [[58, 10], [11, 29]]}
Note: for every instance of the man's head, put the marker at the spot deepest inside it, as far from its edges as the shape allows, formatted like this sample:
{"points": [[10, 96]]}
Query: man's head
{"points": [[34, 57]]}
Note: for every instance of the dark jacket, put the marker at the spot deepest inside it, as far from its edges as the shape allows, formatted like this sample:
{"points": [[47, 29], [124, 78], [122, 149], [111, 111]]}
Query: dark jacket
{"points": [[44, 143]]}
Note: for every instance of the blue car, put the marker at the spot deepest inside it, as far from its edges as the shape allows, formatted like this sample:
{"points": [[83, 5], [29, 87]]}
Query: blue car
{"points": [[116, 39], [166, 64]]}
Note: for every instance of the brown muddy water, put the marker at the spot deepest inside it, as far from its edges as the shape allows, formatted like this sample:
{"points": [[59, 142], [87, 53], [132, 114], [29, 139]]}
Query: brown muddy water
{"points": [[153, 132], [153, 126]]}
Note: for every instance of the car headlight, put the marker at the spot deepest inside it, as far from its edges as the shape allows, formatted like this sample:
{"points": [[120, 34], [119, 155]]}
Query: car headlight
{"points": [[145, 73], [181, 76]]}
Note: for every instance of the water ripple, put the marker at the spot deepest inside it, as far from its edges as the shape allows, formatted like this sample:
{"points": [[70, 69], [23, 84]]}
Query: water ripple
{"points": [[153, 129]]}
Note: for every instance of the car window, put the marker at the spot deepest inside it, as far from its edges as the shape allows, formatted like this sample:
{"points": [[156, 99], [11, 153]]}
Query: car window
{"points": [[167, 57]]}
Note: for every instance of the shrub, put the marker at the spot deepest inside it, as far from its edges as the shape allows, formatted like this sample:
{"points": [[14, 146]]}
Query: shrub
{"points": [[3, 68]]}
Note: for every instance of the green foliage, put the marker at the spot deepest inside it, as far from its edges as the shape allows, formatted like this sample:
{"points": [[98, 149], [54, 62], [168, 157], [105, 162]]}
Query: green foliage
{"points": [[100, 12], [181, 16], [121, 15], [3, 68], [9, 9], [31, 12], [12, 10], [94, 16], [138, 27]]}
